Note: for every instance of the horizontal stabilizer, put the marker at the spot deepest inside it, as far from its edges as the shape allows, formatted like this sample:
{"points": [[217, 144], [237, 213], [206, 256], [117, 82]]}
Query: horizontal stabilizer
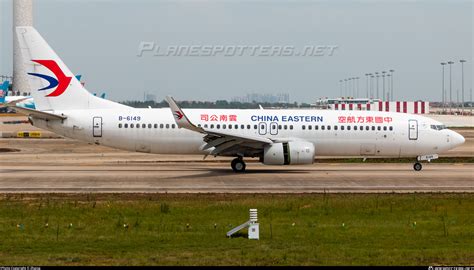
{"points": [[38, 114]]}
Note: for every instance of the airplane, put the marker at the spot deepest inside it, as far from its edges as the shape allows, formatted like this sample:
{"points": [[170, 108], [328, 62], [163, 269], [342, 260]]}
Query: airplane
{"points": [[276, 137], [4, 91], [23, 101], [101, 95]]}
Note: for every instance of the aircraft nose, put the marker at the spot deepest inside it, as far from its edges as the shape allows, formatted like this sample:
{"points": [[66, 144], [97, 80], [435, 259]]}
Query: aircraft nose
{"points": [[457, 139]]}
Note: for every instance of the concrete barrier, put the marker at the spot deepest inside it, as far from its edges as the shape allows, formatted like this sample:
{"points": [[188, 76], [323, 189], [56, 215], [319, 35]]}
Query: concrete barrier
{"points": [[29, 134]]}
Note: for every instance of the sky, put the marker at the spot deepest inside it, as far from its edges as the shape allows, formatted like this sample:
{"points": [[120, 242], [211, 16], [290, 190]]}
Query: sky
{"points": [[100, 40]]}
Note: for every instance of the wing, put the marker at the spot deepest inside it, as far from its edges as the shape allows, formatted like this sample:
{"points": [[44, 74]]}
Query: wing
{"points": [[224, 143]]}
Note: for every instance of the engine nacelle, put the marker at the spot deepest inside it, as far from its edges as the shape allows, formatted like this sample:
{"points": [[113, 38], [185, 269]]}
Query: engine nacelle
{"points": [[290, 153]]}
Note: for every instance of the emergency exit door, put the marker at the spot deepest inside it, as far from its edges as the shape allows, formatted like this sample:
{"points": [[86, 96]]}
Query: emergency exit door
{"points": [[97, 126], [413, 129]]}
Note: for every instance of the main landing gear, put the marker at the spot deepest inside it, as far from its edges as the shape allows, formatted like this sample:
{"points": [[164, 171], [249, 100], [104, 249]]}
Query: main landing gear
{"points": [[238, 165], [417, 166]]}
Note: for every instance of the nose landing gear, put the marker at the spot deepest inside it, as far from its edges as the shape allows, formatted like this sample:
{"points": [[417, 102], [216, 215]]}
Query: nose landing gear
{"points": [[238, 165], [417, 166]]}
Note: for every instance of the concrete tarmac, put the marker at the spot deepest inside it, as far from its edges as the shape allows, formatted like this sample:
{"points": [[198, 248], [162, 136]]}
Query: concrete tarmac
{"points": [[65, 166], [212, 177]]}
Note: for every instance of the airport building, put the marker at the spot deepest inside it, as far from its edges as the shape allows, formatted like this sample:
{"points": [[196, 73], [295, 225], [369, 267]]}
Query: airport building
{"points": [[364, 104]]}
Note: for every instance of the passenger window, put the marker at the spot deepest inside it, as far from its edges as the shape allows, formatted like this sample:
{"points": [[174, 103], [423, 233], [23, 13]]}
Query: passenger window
{"points": [[162, 126], [138, 125], [218, 126], [199, 125], [255, 127], [131, 125], [367, 127], [303, 127], [310, 127], [285, 127], [379, 128], [212, 125], [242, 126], [329, 127], [125, 125], [335, 127], [361, 128], [323, 127], [205, 125], [316, 127], [248, 126], [373, 127], [342, 127], [291, 127], [167, 126], [230, 126], [173, 126], [390, 128], [279, 126], [120, 125], [355, 127], [384, 128], [236, 126], [223, 126], [143, 125], [348, 127], [149, 125], [155, 125]]}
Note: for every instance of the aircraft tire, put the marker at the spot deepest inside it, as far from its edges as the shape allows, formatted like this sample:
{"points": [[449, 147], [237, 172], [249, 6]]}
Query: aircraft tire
{"points": [[238, 165], [417, 166]]}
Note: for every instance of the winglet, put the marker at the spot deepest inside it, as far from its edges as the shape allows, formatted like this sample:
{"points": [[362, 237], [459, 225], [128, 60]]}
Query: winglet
{"points": [[181, 119]]}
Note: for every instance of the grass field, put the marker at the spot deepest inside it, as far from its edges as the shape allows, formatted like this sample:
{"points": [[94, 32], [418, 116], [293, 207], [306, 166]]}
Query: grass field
{"points": [[311, 229]]}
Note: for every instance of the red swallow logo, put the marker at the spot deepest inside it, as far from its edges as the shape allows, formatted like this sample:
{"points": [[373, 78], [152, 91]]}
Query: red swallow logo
{"points": [[178, 115], [62, 81]]}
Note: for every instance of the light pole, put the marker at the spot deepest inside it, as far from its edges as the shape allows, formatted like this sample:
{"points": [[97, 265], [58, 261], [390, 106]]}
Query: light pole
{"points": [[345, 90], [352, 86], [357, 91], [367, 85], [345, 87], [383, 85], [340, 88], [462, 85], [353, 79], [442, 87], [371, 85], [450, 86], [377, 80], [389, 93], [348, 87], [391, 83]]}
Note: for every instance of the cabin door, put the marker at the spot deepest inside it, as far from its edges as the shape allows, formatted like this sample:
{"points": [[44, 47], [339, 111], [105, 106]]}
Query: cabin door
{"points": [[413, 129], [97, 126]]}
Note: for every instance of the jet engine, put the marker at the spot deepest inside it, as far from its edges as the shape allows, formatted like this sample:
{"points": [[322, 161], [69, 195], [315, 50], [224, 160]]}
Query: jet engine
{"points": [[289, 153]]}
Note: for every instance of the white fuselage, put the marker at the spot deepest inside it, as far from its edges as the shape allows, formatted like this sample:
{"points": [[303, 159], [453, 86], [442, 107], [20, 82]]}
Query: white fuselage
{"points": [[333, 133]]}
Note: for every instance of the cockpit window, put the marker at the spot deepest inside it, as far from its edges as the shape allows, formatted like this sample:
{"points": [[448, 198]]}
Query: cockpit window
{"points": [[438, 127]]}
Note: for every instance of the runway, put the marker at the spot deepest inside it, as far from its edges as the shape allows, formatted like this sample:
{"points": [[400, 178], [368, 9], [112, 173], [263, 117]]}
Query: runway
{"points": [[69, 166], [212, 177]]}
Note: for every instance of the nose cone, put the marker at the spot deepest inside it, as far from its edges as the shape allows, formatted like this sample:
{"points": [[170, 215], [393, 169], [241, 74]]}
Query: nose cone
{"points": [[457, 139]]}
